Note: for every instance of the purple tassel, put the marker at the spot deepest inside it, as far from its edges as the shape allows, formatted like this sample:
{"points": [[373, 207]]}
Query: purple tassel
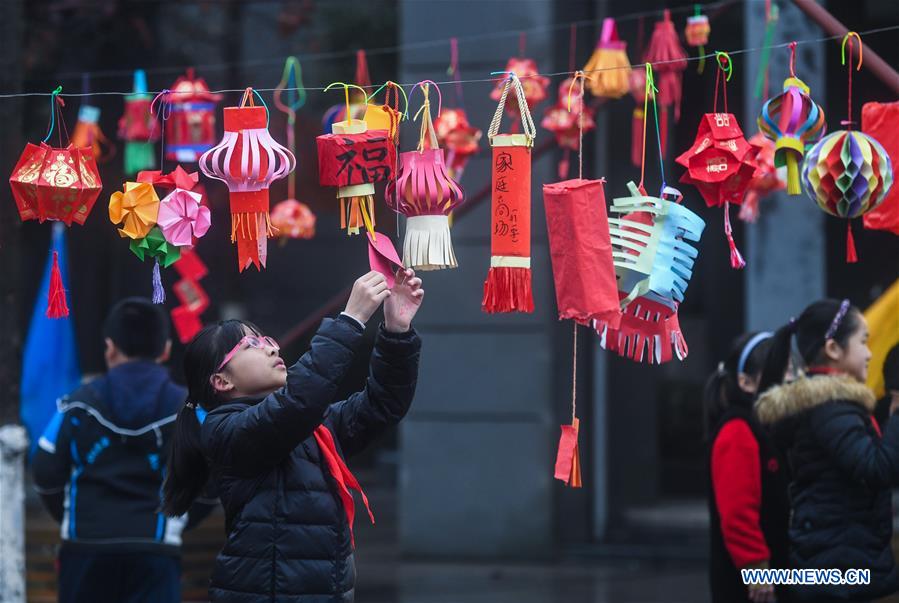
{"points": [[158, 290]]}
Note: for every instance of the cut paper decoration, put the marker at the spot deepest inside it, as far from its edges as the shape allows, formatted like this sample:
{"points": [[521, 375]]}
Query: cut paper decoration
{"points": [[458, 138], [794, 122], [608, 70], [880, 121], [653, 260], [720, 164], [533, 85], [135, 209], [87, 133], [669, 60], [847, 174], [182, 217], [155, 246], [248, 160], [55, 183], [191, 295], [138, 128], [426, 194], [293, 219], [562, 120], [765, 179], [190, 125], [353, 159], [568, 465], [581, 251], [382, 256], [508, 284]]}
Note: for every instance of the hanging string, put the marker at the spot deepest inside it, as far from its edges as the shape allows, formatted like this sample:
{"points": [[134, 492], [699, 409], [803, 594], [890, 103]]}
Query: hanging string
{"points": [[164, 112], [792, 47], [522, 43], [579, 75], [697, 12], [574, 374], [650, 81], [725, 71], [848, 38], [761, 79], [55, 101], [453, 71], [292, 74]]}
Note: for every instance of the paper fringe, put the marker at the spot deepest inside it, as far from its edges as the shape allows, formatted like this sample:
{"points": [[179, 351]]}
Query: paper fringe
{"points": [[851, 255], [247, 228], [351, 217], [158, 289], [508, 290], [607, 73], [428, 244], [629, 341], [56, 295]]}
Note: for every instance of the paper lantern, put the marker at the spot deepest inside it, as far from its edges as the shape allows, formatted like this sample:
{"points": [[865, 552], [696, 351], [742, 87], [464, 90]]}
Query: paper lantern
{"points": [[653, 261], [387, 116], [581, 251], [696, 33], [764, 180], [458, 138], [248, 160], [881, 122], [720, 164], [533, 84], [293, 220], [353, 159], [87, 133], [608, 70], [425, 193], [190, 125], [138, 128], [794, 122], [847, 174], [563, 123], [669, 60], [508, 284]]}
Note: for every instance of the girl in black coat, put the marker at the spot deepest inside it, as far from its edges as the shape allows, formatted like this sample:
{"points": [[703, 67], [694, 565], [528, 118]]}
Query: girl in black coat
{"points": [[842, 468], [273, 441], [749, 507]]}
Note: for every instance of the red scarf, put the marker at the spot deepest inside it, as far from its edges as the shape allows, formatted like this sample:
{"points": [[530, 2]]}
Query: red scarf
{"points": [[342, 475]]}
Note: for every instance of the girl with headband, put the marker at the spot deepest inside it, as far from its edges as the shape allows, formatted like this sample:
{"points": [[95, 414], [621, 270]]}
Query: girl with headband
{"points": [[841, 463], [748, 502]]}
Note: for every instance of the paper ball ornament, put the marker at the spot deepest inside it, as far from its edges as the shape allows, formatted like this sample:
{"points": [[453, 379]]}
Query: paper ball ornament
{"points": [[293, 220], [794, 122]]}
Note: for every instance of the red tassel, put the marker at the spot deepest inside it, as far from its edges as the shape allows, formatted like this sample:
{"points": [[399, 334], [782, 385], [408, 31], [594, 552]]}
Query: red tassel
{"points": [[508, 290], [851, 256], [736, 260], [56, 297]]}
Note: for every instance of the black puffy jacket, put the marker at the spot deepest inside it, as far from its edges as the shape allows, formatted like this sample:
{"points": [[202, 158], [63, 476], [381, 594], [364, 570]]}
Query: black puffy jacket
{"points": [[288, 536], [842, 472]]}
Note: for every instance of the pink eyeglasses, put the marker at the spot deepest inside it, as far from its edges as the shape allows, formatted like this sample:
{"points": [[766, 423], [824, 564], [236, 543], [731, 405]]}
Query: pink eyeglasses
{"points": [[249, 341]]}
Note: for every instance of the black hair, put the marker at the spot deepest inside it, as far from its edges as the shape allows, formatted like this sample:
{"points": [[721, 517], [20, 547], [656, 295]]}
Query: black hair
{"points": [[722, 389], [810, 331], [138, 327], [891, 370], [187, 471]]}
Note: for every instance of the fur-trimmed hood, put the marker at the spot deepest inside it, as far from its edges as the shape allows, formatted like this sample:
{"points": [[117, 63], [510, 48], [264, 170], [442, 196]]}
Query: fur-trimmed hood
{"points": [[790, 399]]}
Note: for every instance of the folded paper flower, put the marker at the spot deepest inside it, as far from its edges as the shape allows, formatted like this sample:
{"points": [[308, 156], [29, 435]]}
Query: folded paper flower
{"points": [[136, 209], [155, 246], [182, 217]]}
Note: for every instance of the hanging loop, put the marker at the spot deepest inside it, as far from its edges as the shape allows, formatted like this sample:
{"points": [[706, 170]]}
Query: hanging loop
{"points": [[55, 102], [793, 45], [346, 92], [422, 86], [292, 74], [725, 63], [577, 75], [848, 38]]}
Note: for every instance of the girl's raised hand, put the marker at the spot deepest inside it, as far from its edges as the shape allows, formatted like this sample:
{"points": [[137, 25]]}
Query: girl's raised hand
{"points": [[404, 302], [369, 291]]}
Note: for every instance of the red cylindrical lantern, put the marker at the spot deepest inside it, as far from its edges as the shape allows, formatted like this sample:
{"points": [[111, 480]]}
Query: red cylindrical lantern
{"points": [[190, 127]]}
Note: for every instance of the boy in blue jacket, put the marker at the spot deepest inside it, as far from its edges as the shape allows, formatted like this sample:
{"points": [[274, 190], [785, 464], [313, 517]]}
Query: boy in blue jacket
{"points": [[100, 466]]}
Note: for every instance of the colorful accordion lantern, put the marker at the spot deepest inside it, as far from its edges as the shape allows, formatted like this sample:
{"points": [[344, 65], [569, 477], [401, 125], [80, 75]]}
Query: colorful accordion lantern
{"points": [[190, 127], [458, 137], [669, 61], [353, 159], [654, 262], [426, 194], [508, 284], [794, 122], [138, 128], [248, 160], [533, 84], [847, 174], [881, 122], [720, 164], [609, 69]]}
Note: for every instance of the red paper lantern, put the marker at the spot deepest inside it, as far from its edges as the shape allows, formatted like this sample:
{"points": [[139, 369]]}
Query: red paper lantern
{"points": [[248, 160], [190, 125], [669, 60], [458, 137]]}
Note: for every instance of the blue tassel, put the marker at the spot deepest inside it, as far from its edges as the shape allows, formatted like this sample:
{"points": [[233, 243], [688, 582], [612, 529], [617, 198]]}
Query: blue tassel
{"points": [[158, 290]]}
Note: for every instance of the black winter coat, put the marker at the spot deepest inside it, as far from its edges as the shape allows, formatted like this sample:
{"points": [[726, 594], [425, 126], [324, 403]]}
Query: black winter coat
{"points": [[842, 472], [288, 536]]}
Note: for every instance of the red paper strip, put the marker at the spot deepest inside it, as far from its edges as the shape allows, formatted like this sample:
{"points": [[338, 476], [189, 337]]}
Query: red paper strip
{"points": [[382, 257], [567, 462]]}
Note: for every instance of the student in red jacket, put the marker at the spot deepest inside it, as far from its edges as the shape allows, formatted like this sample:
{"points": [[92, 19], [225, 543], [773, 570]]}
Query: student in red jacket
{"points": [[749, 505]]}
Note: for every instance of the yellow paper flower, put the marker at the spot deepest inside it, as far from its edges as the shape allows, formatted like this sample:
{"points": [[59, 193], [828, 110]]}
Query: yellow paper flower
{"points": [[135, 209]]}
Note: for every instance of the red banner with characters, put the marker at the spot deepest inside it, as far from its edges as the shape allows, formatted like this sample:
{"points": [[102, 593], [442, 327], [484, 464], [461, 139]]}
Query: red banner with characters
{"points": [[510, 216]]}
